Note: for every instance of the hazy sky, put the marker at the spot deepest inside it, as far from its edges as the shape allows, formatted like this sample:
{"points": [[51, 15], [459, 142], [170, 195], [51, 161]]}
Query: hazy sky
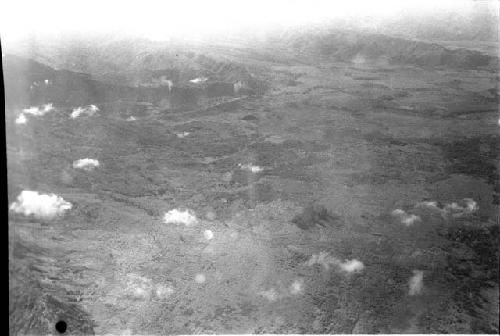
{"points": [[195, 18]]}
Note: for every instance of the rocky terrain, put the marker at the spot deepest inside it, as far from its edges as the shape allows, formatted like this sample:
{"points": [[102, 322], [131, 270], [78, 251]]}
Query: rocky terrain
{"points": [[334, 184]]}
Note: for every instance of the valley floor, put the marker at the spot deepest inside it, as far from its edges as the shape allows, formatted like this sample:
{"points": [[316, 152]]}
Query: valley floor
{"points": [[357, 140]]}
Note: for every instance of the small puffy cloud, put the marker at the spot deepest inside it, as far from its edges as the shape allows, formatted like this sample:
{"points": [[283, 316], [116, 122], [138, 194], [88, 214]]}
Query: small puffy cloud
{"points": [[466, 206], [88, 110], [398, 212], [86, 164], [200, 278], [183, 134], [404, 218], [208, 234], [37, 111], [40, 205], [297, 287], [176, 216], [410, 219], [46, 82], [324, 259], [21, 119], [131, 118], [470, 205], [351, 266], [416, 283], [251, 168], [199, 80]]}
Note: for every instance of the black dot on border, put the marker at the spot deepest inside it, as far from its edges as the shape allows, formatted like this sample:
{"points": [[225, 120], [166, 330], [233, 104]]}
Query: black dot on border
{"points": [[61, 327]]}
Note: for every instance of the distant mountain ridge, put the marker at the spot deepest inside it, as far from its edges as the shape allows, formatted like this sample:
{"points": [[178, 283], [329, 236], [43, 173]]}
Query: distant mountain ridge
{"points": [[359, 47]]}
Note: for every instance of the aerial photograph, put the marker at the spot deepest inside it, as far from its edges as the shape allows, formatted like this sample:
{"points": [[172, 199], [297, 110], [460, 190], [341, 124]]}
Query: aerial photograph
{"points": [[190, 167]]}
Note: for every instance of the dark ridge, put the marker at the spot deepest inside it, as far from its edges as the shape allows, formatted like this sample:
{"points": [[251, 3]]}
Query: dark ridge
{"points": [[316, 215]]}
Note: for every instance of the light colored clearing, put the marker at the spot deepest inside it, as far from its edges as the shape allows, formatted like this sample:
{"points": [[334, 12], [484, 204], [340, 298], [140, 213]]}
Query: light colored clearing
{"points": [[199, 80], [208, 234], [37, 111], [163, 291], [88, 110], [21, 119], [200, 278], [250, 168], [40, 205], [180, 217], [183, 134], [131, 118], [271, 294], [86, 164], [416, 283], [406, 219], [297, 287], [324, 259]]}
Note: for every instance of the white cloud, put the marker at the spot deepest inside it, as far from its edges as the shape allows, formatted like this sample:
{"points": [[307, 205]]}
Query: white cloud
{"points": [[46, 82], [208, 234], [88, 110], [37, 111], [296, 287], [21, 119], [324, 259], [40, 205], [416, 283], [180, 217], [351, 266], [466, 206], [199, 80], [200, 278], [86, 164], [251, 168], [406, 219], [131, 118], [410, 219], [183, 134]]}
